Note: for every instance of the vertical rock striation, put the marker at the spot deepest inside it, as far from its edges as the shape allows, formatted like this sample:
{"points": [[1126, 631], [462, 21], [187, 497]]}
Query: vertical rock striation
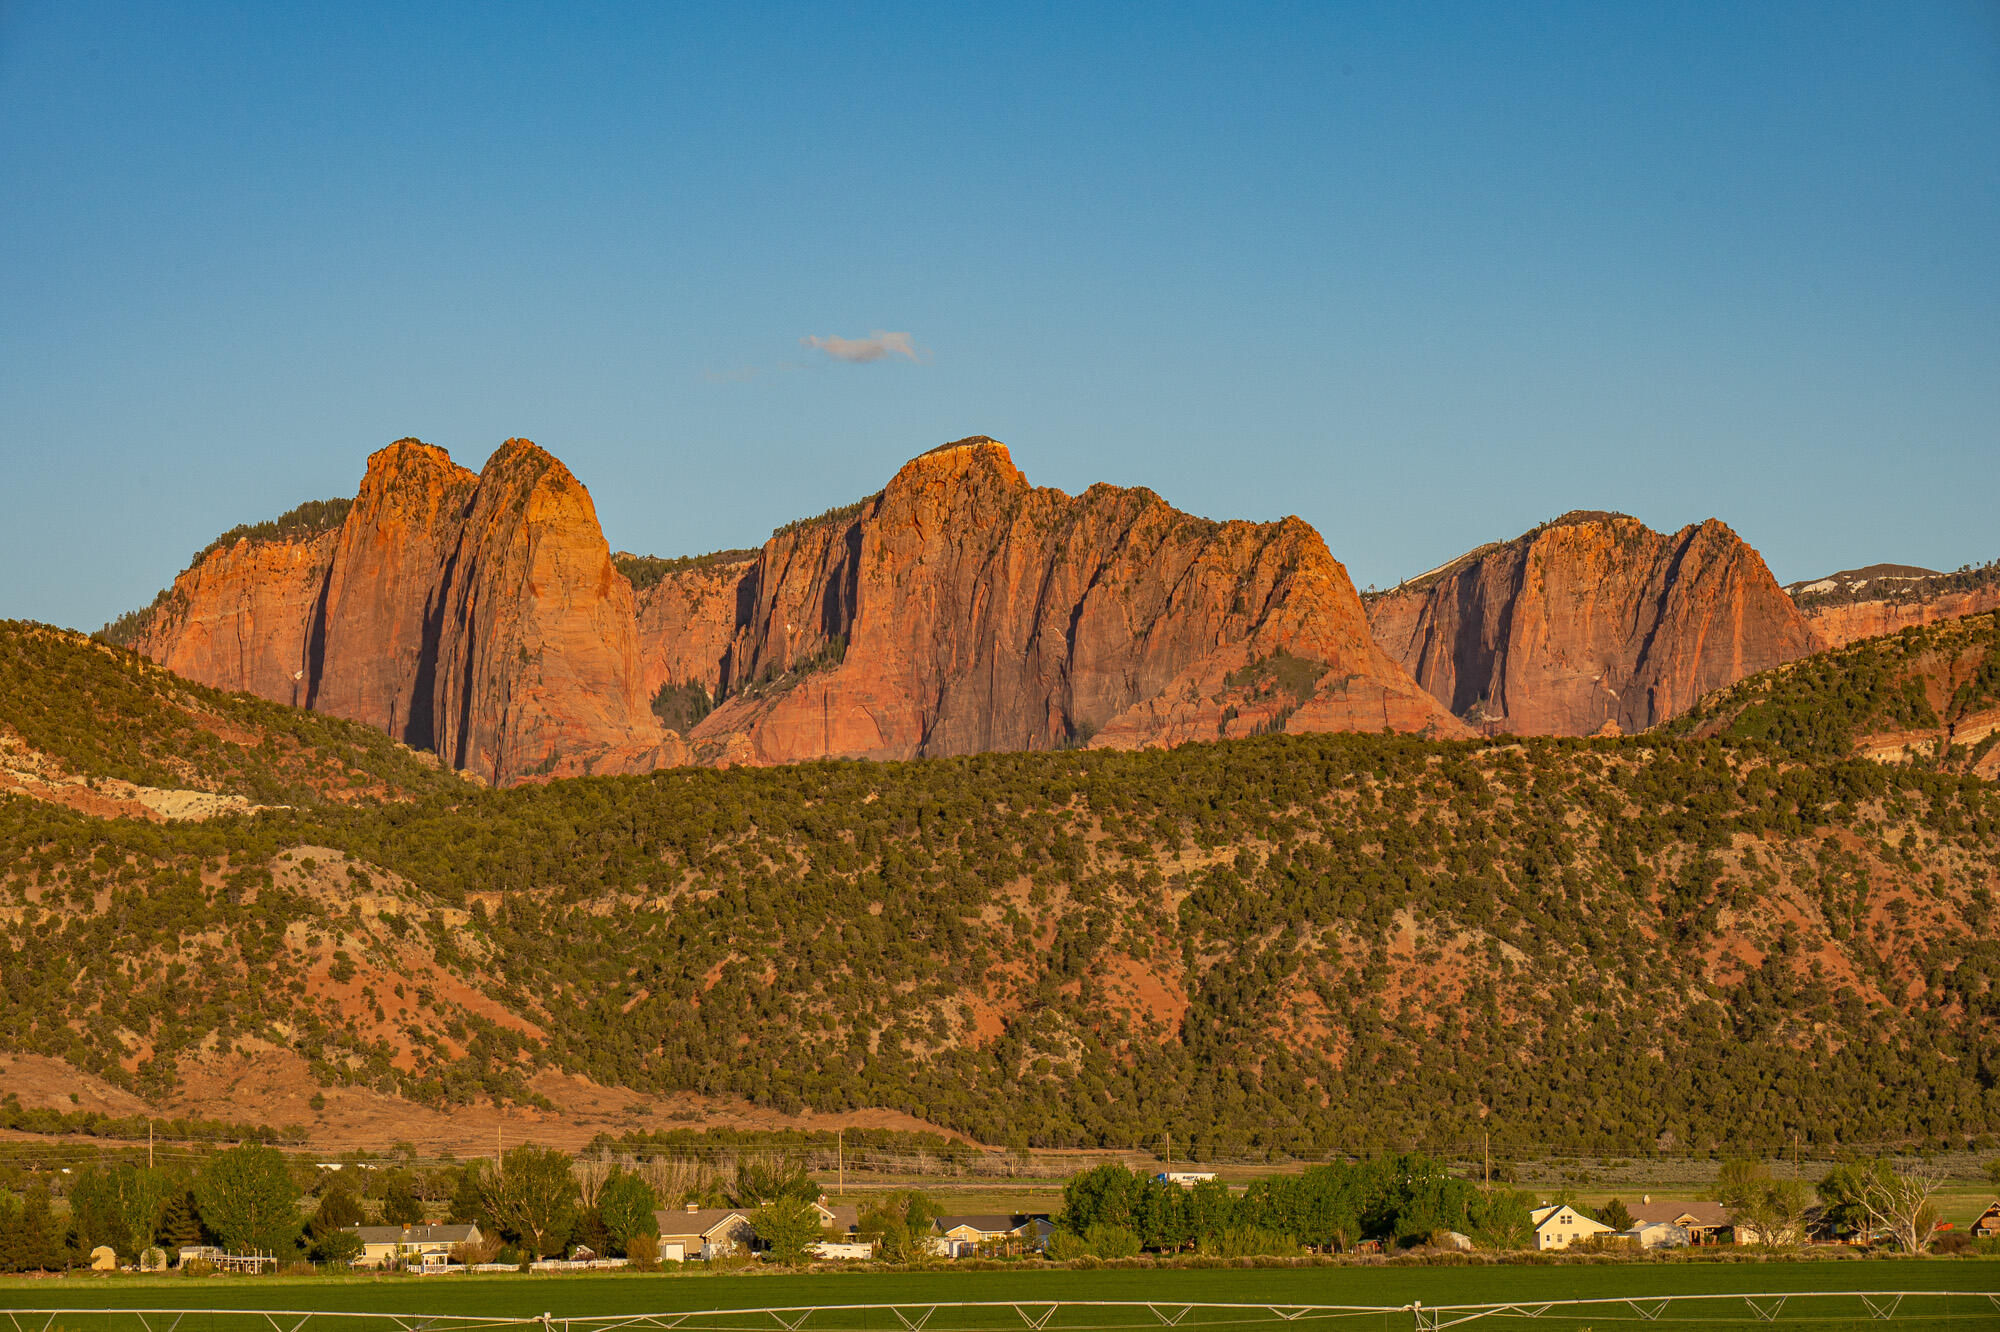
{"points": [[960, 610], [1592, 622], [963, 610], [476, 616]]}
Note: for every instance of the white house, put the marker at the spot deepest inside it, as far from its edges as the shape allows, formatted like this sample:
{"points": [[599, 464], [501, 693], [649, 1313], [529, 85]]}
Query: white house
{"points": [[1560, 1226], [1187, 1179]]}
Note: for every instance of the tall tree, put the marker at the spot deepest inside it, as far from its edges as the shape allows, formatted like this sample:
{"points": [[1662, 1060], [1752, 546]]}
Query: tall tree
{"points": [[626, 1203], [533, 1197], [788, 1227], [246, 1196], [1774, 1209], [338, 1209], [1898, 1201]]}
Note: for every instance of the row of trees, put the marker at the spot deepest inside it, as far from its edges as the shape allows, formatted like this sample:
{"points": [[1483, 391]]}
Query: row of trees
{"points": [[1411, 1198], [1403, 1199], [251, 1199]]}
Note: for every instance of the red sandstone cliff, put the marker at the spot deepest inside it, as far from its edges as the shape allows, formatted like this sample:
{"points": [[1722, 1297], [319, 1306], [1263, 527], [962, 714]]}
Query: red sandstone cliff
{"points": [[958, 611], [1839, 625], [477, 616], [687, 621], [1592, 620], [237, 618], [964, 610]]}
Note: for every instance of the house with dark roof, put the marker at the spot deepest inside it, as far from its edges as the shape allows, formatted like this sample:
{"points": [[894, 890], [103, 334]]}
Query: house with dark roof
{"points": [[841, 1219], [1705, 1222]]}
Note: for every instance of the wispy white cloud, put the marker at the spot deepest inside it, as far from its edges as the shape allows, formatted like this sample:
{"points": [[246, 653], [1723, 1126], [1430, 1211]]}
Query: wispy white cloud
{"points": [[875, 347]]}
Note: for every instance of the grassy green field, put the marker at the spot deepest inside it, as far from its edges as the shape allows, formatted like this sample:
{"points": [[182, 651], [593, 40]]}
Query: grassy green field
{"points": [[581, 1296]]}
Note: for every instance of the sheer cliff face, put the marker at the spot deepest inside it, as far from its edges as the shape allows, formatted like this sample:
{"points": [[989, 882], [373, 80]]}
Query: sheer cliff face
{"points": [[373, 646], [236, 620], [1594, 620], [963, 610], [476, 616]]}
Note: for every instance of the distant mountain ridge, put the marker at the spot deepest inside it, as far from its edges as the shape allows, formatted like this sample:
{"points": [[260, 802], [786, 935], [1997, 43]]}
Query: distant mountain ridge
{"points": [[1854, 604]]}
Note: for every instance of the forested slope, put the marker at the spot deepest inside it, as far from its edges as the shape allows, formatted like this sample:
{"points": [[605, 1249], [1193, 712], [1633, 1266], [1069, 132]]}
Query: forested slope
{"points": [[1928, 695], [1282, 944], [71, 706]]}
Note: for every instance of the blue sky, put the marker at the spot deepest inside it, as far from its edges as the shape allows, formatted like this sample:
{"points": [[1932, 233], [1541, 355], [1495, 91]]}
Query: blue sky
{"points": [[1423, 274]]}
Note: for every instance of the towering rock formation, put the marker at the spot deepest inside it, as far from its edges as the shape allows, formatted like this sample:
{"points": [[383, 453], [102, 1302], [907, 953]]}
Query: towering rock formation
{"points": [[373, 645], [959, 610], [964, 610], [476, 616], [1591, 621]]}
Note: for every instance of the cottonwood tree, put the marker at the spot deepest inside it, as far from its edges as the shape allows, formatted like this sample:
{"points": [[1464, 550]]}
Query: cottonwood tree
{"points": [[1774, 1208], [788, 1226], [533, 1197], [1899, 1202], [246, 1196], [626, 1203], [591, 1174]]}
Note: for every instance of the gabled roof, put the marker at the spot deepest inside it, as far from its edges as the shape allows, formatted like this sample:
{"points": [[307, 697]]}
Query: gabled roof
{"points": [[1681, 1211], [442, 1234], [841, 1217], [702, 1221], [1541, 1216], [990, 1223]]}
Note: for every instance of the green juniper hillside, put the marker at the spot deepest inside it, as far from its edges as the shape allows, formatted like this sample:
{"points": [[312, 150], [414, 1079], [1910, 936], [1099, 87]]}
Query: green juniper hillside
{"points": [[1930, 694], [1282, 945], [98, 710]]}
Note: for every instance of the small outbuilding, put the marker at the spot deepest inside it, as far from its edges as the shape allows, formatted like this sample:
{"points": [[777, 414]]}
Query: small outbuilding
{"points": [[1656, 1235]]}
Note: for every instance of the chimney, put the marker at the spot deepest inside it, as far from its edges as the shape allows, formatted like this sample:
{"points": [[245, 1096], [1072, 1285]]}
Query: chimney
{"points": [[692, 1208]]}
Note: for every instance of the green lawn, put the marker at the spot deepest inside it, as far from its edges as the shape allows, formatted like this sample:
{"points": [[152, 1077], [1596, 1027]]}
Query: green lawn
{"points": [[580, 1296]]}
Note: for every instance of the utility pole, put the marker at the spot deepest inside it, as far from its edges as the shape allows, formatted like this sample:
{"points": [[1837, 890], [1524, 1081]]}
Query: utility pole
{"points": [[149, 1142], [1170, 1146], [840, 1157], [1486, 1140]]}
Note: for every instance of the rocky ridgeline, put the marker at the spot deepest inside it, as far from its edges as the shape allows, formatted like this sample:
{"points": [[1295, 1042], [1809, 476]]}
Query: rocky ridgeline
{"points": [[1591, 623], [958, 611]]}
